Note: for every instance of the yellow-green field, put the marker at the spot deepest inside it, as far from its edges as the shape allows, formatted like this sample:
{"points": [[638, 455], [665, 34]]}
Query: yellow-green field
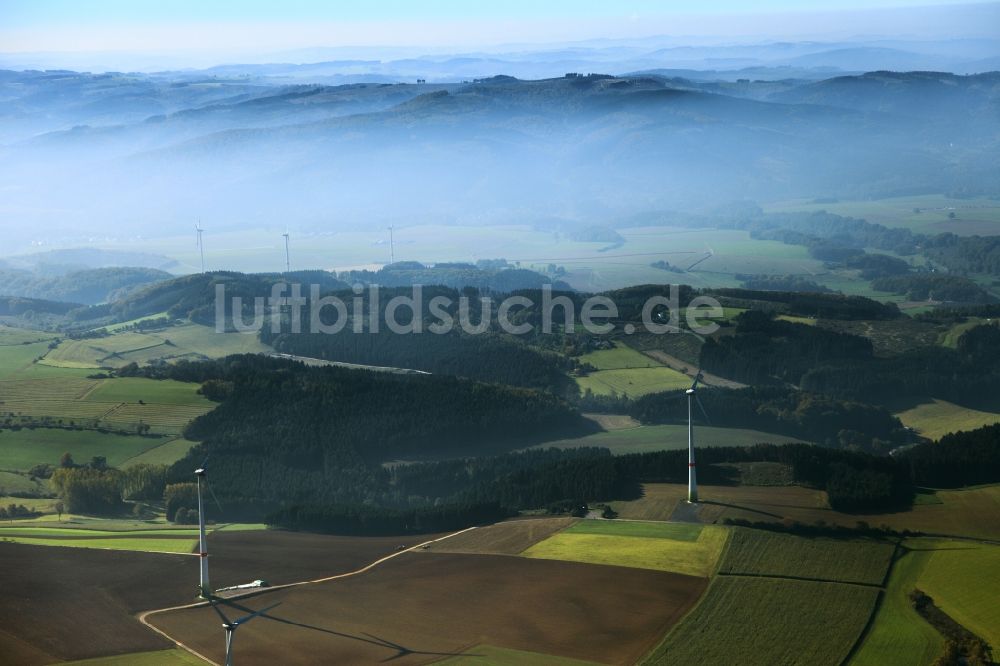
{"points": [[963, 578], [686, 549], [140, 544], [936, 418]]}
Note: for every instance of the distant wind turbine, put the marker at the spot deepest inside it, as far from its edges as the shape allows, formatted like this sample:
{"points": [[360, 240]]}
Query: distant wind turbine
{"points": [[201, 244], [288, 258], [392, 247]]}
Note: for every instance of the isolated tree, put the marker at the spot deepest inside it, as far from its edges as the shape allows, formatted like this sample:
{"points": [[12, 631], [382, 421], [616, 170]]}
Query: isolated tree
{"points": [[66, 460], [60, 507]]}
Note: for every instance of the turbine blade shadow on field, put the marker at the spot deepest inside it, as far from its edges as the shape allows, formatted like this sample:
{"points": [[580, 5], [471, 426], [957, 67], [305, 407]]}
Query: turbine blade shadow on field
{"points": [[401, 651], [741, 508]]}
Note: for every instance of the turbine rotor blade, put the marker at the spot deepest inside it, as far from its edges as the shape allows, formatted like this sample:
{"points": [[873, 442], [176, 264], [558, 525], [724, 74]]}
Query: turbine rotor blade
{"points": [[704, 413]]}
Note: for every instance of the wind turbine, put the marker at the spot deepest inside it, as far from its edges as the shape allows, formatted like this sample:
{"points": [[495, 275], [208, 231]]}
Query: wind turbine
{"points": [[205, 590], [692, 397], [392, 247], [288, 259], [201, 244]]}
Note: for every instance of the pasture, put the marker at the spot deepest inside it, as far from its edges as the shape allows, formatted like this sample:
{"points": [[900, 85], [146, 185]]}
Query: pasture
{"points": [[935, 418], [398, 609], [963, 578], [121, 404], [751, 621], [623, 370], [763, 553], [687, 549], [24, 448], [899, 636]]}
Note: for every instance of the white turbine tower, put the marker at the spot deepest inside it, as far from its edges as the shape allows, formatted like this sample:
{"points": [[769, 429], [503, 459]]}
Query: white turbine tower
{"points": [[205, 590], [201, 244], [392, 247], [288, 257], [692, 397]]}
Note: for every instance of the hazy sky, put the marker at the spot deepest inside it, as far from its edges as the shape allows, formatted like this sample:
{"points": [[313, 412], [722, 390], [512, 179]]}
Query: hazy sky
{"points": [[258, 26]]}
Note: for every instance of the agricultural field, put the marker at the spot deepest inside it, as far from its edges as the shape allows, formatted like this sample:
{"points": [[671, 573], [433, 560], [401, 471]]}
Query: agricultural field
{"points": [[899, 636], [396, 611], [488, 655], [176, 657], [762, 553], [968, 512], [973, 216], [643, 439], [25, 448], [963, 578], [623, 370], [186, 341], [681, 548], [935, 418], [589, 266], [114, 585], [510, 537], [53, 405], [659, 500], [751, 621]]}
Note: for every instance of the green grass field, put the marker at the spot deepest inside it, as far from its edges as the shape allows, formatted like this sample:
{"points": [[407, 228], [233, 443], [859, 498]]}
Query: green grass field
{"points": [[14, 482], [164, 454], [899, 636], [761, 621], [762, 553], [623, 370], [668, 437], [936, 418], [963, 578], [607, 542], [22, 449], [175, 657], [139, 544]]}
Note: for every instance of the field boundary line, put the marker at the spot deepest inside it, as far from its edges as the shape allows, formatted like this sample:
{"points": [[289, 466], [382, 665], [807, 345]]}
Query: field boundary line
{"points": [[144, 616], [805, 579]]}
